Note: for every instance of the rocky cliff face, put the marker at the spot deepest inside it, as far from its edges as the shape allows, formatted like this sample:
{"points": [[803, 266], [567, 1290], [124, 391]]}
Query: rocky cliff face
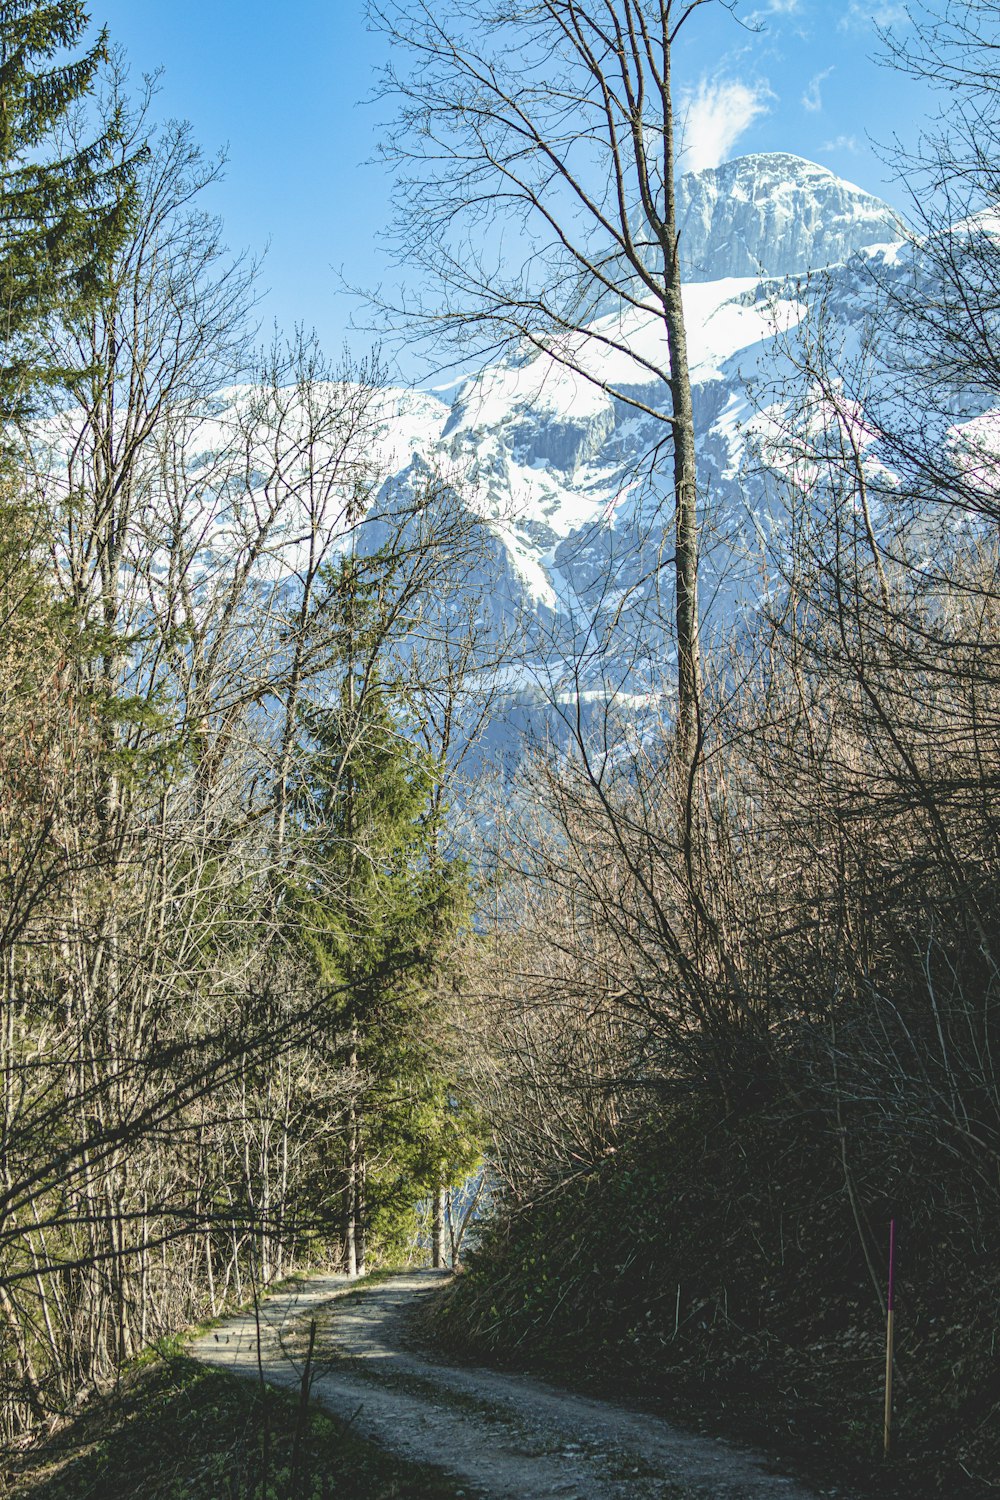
{"points": [[773, 215], [574, 483], [567, 475]]}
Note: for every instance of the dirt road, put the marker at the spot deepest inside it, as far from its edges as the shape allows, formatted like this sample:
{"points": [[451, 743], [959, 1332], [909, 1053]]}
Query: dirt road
{"points": [[507, 1437]]}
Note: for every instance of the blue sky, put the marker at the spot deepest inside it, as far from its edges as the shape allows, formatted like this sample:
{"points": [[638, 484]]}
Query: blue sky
{"points": [[283, 88]]}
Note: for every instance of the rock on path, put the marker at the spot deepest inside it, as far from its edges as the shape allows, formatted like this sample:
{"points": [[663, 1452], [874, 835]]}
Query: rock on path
{"points": [[508, 1437]]}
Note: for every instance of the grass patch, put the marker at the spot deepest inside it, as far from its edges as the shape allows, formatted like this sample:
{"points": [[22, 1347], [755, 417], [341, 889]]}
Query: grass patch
{"points": [[176, 1430]]}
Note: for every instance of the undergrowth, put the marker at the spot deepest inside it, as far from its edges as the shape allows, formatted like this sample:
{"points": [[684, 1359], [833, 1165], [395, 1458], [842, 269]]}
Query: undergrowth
{"points": [[176, 1430], [719, 1273]]}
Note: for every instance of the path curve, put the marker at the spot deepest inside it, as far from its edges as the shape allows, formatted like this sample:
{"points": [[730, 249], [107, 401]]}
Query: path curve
{"points": [[508, 1437]]}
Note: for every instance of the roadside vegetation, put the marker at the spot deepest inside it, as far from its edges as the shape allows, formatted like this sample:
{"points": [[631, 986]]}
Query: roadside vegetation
{"points": [[730, 1292], [174, 1430], [230, 664]]}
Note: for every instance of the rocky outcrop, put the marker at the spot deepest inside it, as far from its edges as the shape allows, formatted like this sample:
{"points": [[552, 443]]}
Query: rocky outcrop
{"points": [[774, 215]]}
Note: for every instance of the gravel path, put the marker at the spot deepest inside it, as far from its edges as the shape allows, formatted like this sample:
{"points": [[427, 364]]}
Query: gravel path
{"points": [[507, 1437]]}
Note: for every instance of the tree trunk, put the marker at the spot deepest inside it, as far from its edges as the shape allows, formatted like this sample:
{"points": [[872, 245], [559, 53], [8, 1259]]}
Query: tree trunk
{"points": [[354, 1189], [684, 474], [438, 1256]]}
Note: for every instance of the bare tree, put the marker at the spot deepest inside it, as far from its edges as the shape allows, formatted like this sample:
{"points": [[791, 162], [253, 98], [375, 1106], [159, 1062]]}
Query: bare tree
{"points": [[537, 152]]}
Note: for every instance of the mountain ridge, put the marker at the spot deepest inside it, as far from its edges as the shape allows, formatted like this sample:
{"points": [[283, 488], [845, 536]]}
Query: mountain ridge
{"points": [[774, 214]]}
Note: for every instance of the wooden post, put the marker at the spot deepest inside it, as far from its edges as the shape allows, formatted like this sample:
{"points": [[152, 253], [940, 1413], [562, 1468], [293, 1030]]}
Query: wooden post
{"points": [[890, 1310]]}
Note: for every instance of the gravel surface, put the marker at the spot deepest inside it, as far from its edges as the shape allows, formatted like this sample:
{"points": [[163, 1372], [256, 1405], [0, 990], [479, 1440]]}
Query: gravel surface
{"points": [[507, 1437]]}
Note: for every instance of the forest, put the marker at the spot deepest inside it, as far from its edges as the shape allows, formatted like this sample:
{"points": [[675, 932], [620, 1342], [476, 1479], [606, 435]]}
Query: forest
{"points": [[672, 1012]]}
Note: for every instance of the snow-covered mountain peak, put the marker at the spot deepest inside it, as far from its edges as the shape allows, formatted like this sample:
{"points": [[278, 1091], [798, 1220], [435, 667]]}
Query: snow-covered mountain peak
{"points": [[774, 214]]}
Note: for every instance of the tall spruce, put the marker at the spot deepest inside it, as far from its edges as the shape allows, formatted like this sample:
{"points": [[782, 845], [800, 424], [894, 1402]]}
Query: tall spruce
{"points": [[63, 206], [378, 905]]}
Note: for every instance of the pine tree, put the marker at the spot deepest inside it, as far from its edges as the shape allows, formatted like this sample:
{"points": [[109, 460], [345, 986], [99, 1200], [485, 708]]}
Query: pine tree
{"points": [[63, 206]]}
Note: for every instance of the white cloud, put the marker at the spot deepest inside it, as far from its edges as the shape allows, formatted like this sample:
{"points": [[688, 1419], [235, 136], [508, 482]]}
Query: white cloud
{"points": [[862, 15], [715, 115], [812, 99], [842, 143], [757, 20]]}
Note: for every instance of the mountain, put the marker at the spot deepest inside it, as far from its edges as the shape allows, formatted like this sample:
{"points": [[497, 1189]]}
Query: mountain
{"points": [[774, 215], [565, 465], [566, 473]]}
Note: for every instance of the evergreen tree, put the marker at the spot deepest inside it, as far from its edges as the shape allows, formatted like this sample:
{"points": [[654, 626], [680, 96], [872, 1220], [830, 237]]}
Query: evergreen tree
{"points": [[377, 905], [63, 206]]}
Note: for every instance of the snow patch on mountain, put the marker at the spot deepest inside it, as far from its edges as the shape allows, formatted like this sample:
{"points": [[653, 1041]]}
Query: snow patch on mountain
{"points": [[774, 215], [564, 452]]}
